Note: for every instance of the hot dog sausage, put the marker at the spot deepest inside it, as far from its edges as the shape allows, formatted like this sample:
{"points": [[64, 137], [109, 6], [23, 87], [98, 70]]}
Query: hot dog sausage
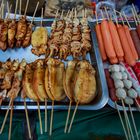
{"points": [[108, 42], [116, 41], [100, 42], [127, 52], [130, 41], [136, 41]]}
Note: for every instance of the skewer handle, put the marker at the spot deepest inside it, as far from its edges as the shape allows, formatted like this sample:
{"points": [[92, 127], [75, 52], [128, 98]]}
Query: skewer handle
{"points": [[51, 121], [11, 118], [73, 117], [40, 120], [6, 115], [68, 115], [27, 119], [46, 118]]}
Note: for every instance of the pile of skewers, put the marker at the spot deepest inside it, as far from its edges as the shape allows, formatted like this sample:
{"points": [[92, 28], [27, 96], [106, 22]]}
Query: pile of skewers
{"points": [[69, 36], [47, 79], [123, 87], [118, 43], [13, 32]]}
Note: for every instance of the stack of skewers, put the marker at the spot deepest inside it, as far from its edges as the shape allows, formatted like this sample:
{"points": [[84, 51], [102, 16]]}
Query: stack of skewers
{"points": [[119, 45], [49, 78]]}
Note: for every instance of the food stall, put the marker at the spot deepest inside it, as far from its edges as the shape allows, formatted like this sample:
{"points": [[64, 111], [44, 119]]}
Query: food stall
{"points": [[69, 70]]}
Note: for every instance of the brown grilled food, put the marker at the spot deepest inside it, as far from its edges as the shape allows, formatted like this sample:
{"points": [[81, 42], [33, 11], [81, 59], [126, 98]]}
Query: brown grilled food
{"points": [[21, 31], [27, 83], [55, 73], [27, 40], [7, 82], [11, 33], [17, 81], [39, 81], [85, 83], [39, 41], [69, 78], [3, 34]]}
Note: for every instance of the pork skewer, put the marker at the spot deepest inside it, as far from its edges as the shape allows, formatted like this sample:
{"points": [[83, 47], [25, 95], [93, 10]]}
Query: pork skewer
{"points": [[21, 27], [7, 84], [27, 39]]}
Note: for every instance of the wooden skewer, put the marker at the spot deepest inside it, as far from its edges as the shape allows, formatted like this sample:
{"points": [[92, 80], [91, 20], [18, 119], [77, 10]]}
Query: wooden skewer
{"points": [[133, 120], [5, 118], [127, 119], [136, 13], [41, 17], [27, 3], [27, 119], [11, 118], [51, 121], [39, 116], [2, 11], [127, 20], [16, 9], [73, 117], [68, 115], [62, 13], [20, 5], [124, 129], [34, 13], [46, 118], [134, 16]]}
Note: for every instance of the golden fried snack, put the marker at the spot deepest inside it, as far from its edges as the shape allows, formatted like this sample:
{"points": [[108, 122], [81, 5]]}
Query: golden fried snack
{"points": [[39, 41], [11, 33], [69, 78], [85, 83], [27, 83], [39, 81], [55, 78]]}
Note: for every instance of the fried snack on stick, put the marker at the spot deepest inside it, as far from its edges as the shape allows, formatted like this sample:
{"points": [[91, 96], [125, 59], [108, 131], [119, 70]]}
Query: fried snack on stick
{"points": [[85, 83], [39, 41]]}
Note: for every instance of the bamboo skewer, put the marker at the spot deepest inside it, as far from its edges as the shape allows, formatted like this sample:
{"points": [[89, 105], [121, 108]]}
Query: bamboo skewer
{"points": [[134, 16], [68, 115], [27, 3], [16, 9], [27, 119], [34, 13], [136, 13], [123, 125], [73, 117], [6, 115], [11, 118], [40, 120], [51, 121], [133, 120], [124, 129], [46, 118], [127, 119]]}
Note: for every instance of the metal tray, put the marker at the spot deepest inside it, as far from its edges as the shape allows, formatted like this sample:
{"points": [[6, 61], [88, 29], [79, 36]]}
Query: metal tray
{"points": [[94, 58], [110, 102]]}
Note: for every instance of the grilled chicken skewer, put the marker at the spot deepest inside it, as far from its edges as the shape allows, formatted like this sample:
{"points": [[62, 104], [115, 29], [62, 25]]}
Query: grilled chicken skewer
{"points": [[7, 84], [21, 28], [27, 40], [12, 29]]}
